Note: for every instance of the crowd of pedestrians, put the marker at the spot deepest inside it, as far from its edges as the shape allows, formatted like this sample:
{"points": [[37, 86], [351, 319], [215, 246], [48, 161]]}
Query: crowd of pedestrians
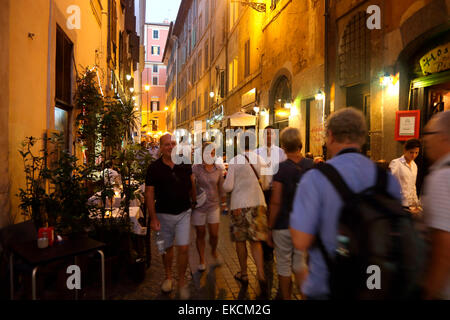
{"points": [[314, 218]]}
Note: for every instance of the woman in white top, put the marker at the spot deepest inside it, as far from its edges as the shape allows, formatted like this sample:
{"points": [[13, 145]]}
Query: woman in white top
{"points": [[248, 211], [405, 170]]}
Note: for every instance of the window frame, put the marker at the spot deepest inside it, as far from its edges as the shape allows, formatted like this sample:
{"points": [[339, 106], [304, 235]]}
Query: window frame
{"points": [[153, 34]]}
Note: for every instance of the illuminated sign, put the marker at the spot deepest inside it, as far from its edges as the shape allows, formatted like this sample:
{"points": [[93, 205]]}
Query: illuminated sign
{"points": [[437, 60]]}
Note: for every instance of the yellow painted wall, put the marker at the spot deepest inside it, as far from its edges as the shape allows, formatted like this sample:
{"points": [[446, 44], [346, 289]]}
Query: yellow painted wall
{"points": [[30, 85]]}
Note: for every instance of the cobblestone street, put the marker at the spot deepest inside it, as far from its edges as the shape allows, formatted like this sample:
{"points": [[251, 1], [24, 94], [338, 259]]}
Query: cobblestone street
{"points": [[214, 283]]}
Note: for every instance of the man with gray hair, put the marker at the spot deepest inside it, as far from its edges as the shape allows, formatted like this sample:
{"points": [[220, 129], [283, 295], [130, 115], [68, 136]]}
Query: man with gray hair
{"points": [[437, 205], [317, 204]]}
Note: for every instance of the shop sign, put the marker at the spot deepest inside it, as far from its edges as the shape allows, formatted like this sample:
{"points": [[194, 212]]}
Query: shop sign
{"points": [[407, 124], [437, 60]]}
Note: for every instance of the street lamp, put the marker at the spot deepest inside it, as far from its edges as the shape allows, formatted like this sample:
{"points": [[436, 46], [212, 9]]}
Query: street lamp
{"points": [[319, 96], [128, 77], [131, 90]]}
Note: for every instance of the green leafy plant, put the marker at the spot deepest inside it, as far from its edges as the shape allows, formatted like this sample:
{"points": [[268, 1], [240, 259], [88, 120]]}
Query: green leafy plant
{"points": [[34, 200]]}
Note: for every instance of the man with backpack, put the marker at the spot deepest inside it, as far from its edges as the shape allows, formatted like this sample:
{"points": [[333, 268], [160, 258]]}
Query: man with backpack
{"points": [[316, 219], [437, 206]]}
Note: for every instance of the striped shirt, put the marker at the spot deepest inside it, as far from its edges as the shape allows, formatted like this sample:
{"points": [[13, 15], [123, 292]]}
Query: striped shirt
{"points": [[437, 202]]}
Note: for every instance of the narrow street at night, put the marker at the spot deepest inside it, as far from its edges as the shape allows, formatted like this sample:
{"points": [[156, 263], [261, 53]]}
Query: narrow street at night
{"points": [[218, 158]]}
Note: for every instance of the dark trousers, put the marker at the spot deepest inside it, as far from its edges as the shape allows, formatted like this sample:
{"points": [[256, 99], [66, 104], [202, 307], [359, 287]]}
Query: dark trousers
{"points": [[267, 251]]}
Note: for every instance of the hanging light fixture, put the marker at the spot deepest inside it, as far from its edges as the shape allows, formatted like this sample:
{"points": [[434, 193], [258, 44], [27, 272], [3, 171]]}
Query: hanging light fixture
{"points": [[320, 95]]}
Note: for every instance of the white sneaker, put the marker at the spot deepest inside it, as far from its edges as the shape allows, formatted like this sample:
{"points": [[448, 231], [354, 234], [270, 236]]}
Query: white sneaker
{"points": [[167, 286], [201, 267], [184, 292]]}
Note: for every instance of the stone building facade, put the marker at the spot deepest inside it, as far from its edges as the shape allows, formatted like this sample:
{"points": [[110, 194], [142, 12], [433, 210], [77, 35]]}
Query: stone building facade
{"points": [[294, 62], [378, 70]]}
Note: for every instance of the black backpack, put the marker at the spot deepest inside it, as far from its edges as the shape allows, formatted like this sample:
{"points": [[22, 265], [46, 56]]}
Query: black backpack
{"points": [[373, 230]]}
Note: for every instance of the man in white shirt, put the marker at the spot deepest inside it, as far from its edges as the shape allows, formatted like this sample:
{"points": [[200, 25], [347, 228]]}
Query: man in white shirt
{"points": [[405, 170], [437, 206], [272, 155]]}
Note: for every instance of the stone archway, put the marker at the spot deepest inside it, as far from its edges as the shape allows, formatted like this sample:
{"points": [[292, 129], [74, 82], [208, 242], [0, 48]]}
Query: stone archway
{"points": [[280, 93]]}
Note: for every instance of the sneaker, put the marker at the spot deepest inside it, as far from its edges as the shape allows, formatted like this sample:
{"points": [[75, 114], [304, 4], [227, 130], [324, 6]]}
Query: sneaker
{"points": [[201, 267], [184, 292], [167, 286]]}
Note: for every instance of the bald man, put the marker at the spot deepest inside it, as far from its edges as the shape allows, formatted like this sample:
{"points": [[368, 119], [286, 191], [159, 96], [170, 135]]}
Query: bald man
{"points": [[437, 206], [169, 197]]}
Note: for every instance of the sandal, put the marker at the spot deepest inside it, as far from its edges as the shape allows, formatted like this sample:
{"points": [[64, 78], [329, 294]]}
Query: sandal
{"points": [[241, 277]]}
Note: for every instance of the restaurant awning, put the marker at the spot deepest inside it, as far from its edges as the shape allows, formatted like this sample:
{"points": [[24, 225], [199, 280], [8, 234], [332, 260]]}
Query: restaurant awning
{"points": [[241, 119]]}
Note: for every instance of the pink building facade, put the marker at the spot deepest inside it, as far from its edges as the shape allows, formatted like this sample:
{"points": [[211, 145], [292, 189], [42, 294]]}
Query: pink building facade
{"points": [[154, 79]]}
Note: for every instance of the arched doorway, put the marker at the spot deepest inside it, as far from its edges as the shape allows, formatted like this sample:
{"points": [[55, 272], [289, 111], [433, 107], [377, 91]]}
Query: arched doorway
{"points": [[281, 100], [426, 81]]}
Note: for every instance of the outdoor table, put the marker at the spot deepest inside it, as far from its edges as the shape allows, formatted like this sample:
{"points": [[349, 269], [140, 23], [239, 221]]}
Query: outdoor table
{"points": [[135, 212], [30, 252]]}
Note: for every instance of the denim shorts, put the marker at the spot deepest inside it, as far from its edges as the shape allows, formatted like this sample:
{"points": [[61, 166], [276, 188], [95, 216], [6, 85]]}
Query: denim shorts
{"points": [[175, 227]]}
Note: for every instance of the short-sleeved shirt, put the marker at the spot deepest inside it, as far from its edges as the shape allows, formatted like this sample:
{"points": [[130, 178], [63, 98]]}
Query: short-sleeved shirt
{"points": [[212, 183], [172, 186], [289, 174], [437, 203], [317, 207]]}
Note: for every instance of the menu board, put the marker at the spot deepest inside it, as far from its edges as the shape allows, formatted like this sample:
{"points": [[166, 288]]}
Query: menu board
{"points": [[407, 125]]}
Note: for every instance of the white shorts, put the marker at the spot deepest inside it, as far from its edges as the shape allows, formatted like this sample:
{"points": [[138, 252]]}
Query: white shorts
{"points": [[175, 228], [288, 258], [201, 218]]}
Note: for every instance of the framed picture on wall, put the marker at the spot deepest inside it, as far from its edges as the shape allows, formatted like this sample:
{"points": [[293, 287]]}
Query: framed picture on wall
{"points": [[407, 125]]}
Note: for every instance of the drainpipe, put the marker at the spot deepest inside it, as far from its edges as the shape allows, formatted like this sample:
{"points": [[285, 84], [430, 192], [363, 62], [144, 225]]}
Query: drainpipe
{"points": [[175, 38], [326, 54], [49, 61]]}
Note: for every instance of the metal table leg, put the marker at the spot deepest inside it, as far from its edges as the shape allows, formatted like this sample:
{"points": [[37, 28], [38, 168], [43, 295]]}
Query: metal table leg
{"points": [[102, 256], [33, 282], [11, 275]]}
